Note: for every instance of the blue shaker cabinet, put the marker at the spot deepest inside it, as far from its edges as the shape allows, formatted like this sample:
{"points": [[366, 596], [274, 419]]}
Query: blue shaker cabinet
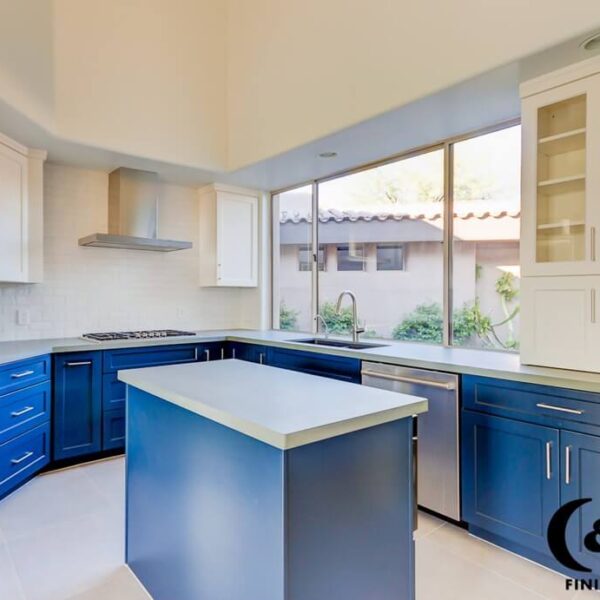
{"points": [[77, 404], [511, 485], [580, 459]]}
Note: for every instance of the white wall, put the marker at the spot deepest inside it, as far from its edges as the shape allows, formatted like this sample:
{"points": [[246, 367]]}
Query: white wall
{"points": [[99, 289], [303, 69]]}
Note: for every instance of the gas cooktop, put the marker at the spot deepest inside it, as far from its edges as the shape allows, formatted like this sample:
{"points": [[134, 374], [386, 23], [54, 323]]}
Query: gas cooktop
{"points": [[135, 335]]}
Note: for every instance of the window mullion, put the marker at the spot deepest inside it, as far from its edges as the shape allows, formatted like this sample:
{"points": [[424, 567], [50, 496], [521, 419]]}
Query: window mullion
{"points": [[447, 240], [315, 258]]}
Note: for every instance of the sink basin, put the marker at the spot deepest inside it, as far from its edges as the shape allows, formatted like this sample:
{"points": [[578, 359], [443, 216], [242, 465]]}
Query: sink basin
{"points": [[339, 343]]}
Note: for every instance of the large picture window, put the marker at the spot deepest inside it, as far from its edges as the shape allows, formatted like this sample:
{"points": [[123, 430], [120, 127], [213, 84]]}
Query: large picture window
{"points": [[462, 284]]}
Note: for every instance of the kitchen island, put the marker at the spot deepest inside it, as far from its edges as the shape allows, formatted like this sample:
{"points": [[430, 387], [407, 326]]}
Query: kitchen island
{"points": [[251, 482]]}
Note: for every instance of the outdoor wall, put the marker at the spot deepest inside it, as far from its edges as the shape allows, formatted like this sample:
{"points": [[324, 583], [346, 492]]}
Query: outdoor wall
{"points": [[385, 298]]}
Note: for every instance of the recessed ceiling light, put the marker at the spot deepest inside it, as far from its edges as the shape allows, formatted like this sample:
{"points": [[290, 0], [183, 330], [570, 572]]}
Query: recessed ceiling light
{"points": [[327, 154], [591, 43]]}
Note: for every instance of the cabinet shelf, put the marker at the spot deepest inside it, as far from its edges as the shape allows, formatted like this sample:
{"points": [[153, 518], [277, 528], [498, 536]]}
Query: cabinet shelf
{"points": [[547, 183], [561, 143], [560, 225]]}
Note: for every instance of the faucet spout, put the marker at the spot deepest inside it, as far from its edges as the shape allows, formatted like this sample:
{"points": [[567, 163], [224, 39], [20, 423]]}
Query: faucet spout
{"points": [[356, 330]]}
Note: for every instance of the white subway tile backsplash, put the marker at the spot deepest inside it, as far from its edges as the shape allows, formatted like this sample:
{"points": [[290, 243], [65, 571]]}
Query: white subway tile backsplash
{"points": [[99, 289]]}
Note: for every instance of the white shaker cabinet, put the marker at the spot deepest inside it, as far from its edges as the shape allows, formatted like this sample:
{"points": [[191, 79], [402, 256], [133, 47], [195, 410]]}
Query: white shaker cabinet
{"points": [[561, 179], [560, 322], [228, 236], [560, 219], [21, 212]]}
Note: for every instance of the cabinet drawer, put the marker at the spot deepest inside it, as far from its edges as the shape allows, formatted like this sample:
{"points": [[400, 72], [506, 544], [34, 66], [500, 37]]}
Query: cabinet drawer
{"points": [[23, 456], [335, 367], [113, 392], [133, 358], [23, 410], [113, 429], [539, 403], [22, 373]]}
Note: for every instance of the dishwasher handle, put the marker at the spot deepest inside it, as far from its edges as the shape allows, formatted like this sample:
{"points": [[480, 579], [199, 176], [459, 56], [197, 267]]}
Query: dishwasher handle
{"points": [[449, 385]]}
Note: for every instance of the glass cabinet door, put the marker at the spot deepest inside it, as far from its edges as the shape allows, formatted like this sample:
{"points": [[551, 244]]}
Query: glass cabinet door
{"points": [[561, 192]]}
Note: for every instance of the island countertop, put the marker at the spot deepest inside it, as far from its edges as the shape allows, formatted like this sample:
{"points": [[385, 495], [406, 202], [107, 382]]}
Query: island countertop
{"points": [[282, 408]]}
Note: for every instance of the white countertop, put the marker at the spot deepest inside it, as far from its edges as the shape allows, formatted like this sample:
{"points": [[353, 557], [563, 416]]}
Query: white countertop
{"points": [[282, 408], [502, 365]]}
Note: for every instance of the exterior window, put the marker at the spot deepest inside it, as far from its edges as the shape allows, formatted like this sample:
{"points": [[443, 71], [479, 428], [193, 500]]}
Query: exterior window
{"points": [[487, 210], [305, 258], [351, 257], [371, 219], [390, 257]]}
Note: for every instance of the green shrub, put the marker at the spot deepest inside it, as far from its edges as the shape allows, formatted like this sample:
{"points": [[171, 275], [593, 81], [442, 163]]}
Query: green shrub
{"points": [[423, 324], [341, 323], [288, 317]]}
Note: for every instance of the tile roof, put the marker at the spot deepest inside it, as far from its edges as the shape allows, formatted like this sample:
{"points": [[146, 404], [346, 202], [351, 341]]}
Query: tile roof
{"points": [[473, 209]]}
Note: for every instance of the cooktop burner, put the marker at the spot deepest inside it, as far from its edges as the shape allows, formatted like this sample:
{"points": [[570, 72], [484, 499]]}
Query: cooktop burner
{"points": [[135, 335]]}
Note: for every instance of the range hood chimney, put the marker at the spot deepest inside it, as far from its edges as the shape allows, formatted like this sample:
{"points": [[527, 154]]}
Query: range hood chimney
{"points": [[132, 214]]}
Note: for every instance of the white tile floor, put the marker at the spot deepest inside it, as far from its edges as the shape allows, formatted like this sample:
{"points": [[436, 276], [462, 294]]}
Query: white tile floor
{"points": [[61, 538]]}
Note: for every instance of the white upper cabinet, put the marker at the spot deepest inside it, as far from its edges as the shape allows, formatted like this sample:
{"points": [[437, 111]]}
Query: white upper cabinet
{"points": [[21, 213], [561, 179], [228, 237]]}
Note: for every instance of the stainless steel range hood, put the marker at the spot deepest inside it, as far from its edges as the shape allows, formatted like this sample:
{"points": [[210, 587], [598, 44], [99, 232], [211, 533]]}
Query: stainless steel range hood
{"points": [[132, 214]]}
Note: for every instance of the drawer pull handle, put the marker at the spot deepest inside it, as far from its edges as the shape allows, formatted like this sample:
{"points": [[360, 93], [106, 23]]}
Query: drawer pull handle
{"points": [[568, 465], [571, 411], [222, 353], [23, 411], [548, 460], [22, 374], [207, 352], [233, 353], [79, 363], [261, 358], [16, 461]]}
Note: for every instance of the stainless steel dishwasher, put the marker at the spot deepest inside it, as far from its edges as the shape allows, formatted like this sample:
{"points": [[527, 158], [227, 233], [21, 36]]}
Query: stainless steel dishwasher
{"points": [[438, 462]]}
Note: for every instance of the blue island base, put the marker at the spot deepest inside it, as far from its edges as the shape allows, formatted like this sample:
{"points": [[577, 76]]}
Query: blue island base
{"points": [[217, 515]]}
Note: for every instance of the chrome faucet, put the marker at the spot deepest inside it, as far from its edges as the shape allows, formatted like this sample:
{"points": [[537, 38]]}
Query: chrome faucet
{"points": [[356, 330], [318, 318]]}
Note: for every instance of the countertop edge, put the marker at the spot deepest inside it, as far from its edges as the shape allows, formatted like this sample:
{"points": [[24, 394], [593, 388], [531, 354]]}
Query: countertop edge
{"points": [[256, 431], [557, 378]]}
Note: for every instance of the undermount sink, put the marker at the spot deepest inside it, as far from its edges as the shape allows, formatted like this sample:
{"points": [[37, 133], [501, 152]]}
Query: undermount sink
{"points": [[339, 343]]}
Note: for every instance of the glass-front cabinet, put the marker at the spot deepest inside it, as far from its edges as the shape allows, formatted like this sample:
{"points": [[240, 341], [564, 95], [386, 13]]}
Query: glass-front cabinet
{"points": [[561, 180]]}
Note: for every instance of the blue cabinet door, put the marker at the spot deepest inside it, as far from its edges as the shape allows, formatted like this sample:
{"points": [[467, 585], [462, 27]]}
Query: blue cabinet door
{"points": [[250, 352], [511, 480], [316, 363], [113, 429], [580, 456], [77, 404]]}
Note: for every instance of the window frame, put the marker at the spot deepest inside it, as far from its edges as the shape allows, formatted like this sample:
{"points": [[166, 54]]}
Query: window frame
{"points": [[394, 245], [346, 248], [447, 145]]}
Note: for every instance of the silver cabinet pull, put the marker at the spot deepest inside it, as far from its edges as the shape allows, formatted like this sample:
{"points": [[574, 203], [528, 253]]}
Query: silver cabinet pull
{"points": [[79, 363], [261, 358], [222, 353], [548, 460], [571, 411], [207, 352], [16, 461], [593, 305], [568, 465], [593, 243], [233, 353], [436, 384], [22, 374], [196, 353], [23, 411]]}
